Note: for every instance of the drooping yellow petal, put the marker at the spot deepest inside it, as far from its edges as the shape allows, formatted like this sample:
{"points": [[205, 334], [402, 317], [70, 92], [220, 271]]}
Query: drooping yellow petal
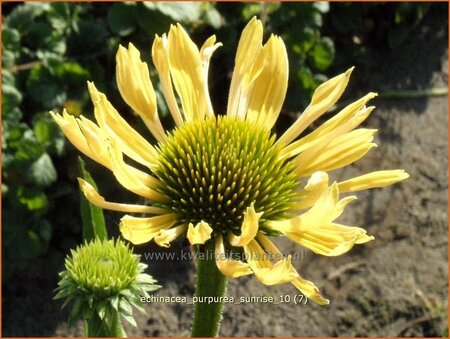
{"points": [[269, 88], [229, 267], [266, 272], [97, 140], [142, 230], [199, 233], [129, 141], [248, 65], [315, 230], [161, 61], [346, 120], [96, 199], [249, 227], [133, 81], [308, 196], [329, 239], [133, 179], [187, 73], [372, 180], [326, 209], [206, 52], [71, 129], [306, 287], [340, 152], [309, 290], [166, 236], [324, 97]]}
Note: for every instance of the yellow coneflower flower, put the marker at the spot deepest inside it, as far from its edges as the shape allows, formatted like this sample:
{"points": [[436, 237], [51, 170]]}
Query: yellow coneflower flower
{"points": [[226, 178]]}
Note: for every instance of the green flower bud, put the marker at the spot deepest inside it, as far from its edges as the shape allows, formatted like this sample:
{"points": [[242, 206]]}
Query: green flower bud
{"points": [[105, 281]]}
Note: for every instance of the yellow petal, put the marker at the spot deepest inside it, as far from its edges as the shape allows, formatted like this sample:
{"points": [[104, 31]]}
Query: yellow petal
{"points": [[133, 81], [96, 139], [161, 61], [96, 199], [315, 230], [71, 129], [187, 73], [306, 287], [269, 89], [199, 233], [133, 179], [229, 267], [346, 120], [166, 236], [248, 65], [324, 97], [329, 239], [373, 180], [206, 53], [338, 153], [249, 227], [129, 141], [326, 209], [316, 185], [142, 230], [266, 272], [310, 290]]}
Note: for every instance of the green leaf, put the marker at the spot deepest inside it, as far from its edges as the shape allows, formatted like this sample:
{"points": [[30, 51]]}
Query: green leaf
{"points": [[23, 15], [125, 307], [11, 39], [183, 12], [45, 130], [42, 171], [122, 18], [43, 88], [305, 41], [322, 6], [130, 319], [92, 216], [323, 54], [213, 18], [45, 230], [32, 197], [28, 147], [11, 98]]}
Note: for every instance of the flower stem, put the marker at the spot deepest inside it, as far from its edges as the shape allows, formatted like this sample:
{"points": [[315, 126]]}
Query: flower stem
{"points": [[210, 283], [97, 328]]}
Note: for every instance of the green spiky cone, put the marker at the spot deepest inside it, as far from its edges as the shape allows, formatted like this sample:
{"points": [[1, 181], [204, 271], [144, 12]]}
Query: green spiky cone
{"points": [[105, 281], [213, 170]]}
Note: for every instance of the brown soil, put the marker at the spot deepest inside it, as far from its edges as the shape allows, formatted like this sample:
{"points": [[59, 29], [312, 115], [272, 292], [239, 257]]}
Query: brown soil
{"points": [[393, 286]]}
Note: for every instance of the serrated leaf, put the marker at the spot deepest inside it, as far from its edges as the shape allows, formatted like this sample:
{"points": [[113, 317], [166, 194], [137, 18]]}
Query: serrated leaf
{"points": [[42, 171], [92, 216]]}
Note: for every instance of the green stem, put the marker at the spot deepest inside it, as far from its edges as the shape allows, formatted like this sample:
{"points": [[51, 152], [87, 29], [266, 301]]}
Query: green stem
{"points": [[211, 283], [97, 328]]}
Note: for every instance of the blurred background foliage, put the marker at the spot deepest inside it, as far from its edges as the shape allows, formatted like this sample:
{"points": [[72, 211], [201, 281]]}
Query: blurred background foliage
{"points": [[50, 50]]}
